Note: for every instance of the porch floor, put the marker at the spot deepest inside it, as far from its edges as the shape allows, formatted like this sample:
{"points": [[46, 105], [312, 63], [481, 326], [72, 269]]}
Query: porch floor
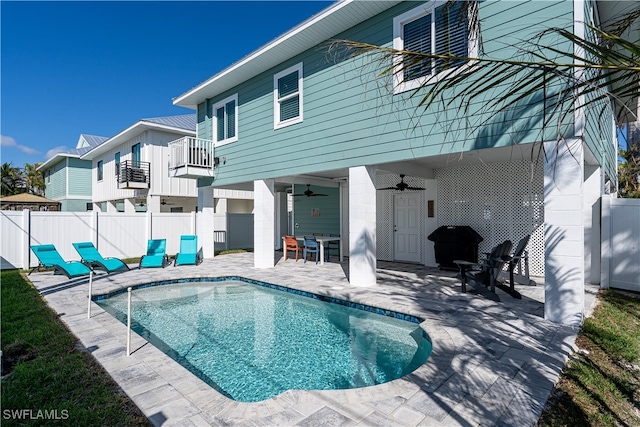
{"points": [[492, 363]]}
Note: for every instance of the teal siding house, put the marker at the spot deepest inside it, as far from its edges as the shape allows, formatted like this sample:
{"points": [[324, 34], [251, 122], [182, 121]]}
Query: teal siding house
{"points": [[330, 145], [68, 177]]}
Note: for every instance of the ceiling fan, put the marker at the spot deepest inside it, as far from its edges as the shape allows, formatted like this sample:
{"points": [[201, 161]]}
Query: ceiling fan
{"points": [[164, 202], [401, 186], [309, 193]]}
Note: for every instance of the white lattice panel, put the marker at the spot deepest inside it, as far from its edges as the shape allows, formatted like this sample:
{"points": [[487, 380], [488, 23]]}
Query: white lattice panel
{"points": [[500, 201]]}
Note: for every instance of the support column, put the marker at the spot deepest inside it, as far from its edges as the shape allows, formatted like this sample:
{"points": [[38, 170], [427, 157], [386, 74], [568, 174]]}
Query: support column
{"points": [[264, 223], [564, 232], [362, 226], [129, 205], [111, 206], [206, 221], [153, 203]]}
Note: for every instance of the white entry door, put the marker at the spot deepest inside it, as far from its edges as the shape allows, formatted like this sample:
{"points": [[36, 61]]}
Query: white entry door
{"points": [[406, 227]]}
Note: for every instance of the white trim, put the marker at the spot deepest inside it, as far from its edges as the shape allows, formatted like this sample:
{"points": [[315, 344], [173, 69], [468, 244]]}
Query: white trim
{"points": [[579, 31], [277, 124], [399, 21], [66, 177], [214, 120]]}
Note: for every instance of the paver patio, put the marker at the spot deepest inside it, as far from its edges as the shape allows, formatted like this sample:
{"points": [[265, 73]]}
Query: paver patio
{"points": [[492, 363]]}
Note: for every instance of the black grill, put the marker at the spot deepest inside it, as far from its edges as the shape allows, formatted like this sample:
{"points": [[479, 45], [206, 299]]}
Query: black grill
{"points": [[453, 242]]}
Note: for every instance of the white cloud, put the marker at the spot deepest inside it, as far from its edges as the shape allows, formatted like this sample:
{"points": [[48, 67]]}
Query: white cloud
{"points": [[7, 141], [55, 150]]}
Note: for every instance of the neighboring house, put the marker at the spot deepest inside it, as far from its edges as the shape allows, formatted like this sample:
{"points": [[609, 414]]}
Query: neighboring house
{"points": [[130, 171], [18, 202], [67, 177], [293, 116]]}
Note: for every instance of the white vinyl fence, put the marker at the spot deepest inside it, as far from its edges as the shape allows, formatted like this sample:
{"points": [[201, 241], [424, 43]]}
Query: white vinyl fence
{"points": [[621, 244], [116, 234]]}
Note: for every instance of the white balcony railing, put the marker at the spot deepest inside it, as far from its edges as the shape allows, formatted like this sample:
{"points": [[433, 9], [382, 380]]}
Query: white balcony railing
{"points": [[191, 158]]}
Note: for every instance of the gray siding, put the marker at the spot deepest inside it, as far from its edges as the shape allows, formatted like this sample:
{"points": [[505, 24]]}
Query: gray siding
{"points": [[79, 177], [56, 188], [352, 118]]}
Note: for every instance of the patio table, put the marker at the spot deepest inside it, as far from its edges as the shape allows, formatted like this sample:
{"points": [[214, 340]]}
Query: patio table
{"points": [[321, 240]]}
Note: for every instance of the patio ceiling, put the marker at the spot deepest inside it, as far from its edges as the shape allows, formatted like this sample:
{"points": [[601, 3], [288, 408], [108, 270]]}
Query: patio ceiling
{"points": [[421, 168]]}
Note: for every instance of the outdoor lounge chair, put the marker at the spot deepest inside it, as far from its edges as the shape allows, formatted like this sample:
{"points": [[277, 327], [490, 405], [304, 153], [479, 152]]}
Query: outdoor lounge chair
{"points": [[49, 257], [188, 251], [483, 276], [520, 259], [156, 254], [90, 256]]}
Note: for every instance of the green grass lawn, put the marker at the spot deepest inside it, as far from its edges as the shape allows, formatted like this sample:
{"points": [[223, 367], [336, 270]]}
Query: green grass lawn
{"points": [[44, 372], [600, 386]]}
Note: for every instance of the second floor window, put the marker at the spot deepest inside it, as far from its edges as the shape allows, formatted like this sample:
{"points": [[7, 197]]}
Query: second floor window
{"points": [[100, 170], [287, 96], [135, 155], [225, 120], [117, 159], [440, 28]]}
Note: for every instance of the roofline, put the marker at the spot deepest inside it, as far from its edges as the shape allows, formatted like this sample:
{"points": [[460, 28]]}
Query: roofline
{"points": [[193, 97], [133, 130], [61, 155]]}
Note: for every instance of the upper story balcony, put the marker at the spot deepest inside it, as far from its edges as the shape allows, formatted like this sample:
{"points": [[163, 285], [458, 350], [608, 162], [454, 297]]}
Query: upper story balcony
{"points": [[191, 158], [134, 175]]}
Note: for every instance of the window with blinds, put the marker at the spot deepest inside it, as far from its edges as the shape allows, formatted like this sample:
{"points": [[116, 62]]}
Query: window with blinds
{"points": [[287, 96], [225, 120], [439, 27]]}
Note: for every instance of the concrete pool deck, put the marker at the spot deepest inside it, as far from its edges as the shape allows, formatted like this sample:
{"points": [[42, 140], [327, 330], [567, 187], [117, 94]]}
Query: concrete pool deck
{"points": [[493, 364]]}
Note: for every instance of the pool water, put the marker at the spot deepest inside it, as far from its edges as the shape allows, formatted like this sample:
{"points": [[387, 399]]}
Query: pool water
{"points": [[251, 342]]}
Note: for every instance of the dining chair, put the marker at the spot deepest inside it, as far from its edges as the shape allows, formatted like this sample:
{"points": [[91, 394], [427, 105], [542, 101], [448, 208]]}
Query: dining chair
{"points": [[291, 244], [332, 244], [310, 246]]}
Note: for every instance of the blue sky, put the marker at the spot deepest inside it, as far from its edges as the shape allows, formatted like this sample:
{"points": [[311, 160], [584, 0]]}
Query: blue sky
{"points": [[96, 68]]}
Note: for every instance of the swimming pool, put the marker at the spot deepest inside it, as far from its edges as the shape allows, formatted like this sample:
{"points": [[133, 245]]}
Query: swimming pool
{"points": [[251, 341]]}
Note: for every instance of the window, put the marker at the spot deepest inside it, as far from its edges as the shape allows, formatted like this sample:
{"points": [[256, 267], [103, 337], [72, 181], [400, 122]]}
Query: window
{"points": [[89, 206], [100, 170], [135, 155], [117, 158], [225, 120], [48, 176], [287, 97], [435, 28]]}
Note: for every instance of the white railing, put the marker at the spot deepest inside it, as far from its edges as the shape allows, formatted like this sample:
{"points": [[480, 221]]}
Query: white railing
{"points": [[191, 152]]}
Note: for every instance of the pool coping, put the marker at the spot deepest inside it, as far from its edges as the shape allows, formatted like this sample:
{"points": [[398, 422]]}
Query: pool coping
{"points": [[488, 366]]}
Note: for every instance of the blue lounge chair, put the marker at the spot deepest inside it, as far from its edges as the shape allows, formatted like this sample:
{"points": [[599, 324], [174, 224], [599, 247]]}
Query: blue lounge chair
{"points": [[49, 257], [90, 256], [156, 254], [188, 251]]}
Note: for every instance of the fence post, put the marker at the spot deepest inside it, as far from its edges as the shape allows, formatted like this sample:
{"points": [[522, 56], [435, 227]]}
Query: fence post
{"points": [[149, 226], [193, 223], [26, 240], [605, 241], [94, 228]]}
